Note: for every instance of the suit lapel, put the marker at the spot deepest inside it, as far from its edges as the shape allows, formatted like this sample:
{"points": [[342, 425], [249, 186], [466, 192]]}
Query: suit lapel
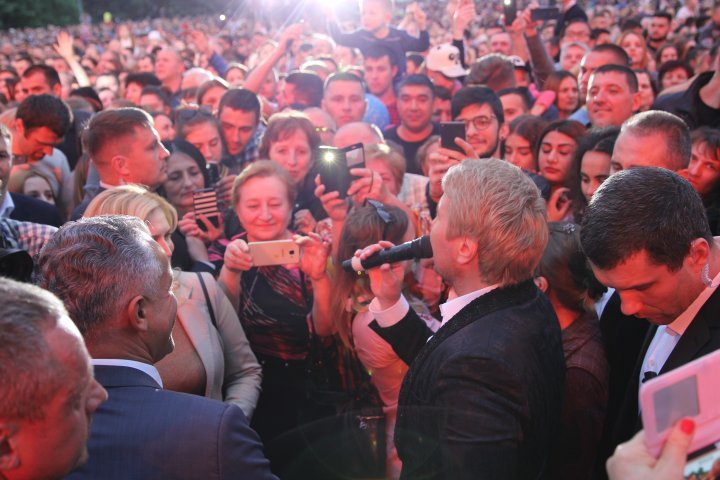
{"points": [[477, 309]]}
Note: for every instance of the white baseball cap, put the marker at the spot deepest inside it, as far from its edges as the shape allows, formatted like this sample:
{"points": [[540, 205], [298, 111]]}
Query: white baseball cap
{"points": [[445, 59]]}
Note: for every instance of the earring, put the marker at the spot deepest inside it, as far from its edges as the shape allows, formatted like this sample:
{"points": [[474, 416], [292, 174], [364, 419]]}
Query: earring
{"points": [[705, 275]]}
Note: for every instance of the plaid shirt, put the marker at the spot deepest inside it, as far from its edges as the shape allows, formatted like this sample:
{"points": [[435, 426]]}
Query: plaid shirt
{"points": [[27, 236], [249, 154]]}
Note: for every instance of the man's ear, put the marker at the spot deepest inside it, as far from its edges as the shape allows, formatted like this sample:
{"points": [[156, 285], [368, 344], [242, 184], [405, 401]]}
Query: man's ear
{"points": [[541, 283], [9, 456], [57, 90], [137, 314], [635, 101], [467, 251], [19, 127], [699, 253], [120, 165], [503, 132]]}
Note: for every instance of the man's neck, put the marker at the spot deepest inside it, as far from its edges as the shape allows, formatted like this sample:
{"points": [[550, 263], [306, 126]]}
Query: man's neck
{"points": [[173, 84], [387, 97], [468, 284], [408, 135]]}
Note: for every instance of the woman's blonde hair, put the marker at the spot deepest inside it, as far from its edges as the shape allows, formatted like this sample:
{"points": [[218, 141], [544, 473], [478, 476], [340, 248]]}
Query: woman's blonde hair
{"points": [[263, 169], [134, 200]]}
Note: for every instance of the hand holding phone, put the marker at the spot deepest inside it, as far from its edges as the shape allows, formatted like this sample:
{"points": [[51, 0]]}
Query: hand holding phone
{"points": [[205, 202], [510, 11], [449, 131], [274, 252]]}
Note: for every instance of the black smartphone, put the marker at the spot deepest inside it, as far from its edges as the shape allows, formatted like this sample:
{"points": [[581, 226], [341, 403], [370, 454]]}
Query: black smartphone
{"points": [[543, 14], [333, 168], [213, 173], [355, 156], [510, 11], [449, 131], [205, 202]]}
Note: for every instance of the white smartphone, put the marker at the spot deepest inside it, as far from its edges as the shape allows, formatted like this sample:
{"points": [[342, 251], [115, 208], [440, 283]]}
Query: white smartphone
{"points": [[687, 391], [274, 252]]}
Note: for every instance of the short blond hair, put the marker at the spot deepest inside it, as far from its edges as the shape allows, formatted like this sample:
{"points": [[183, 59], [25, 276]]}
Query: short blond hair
{"points": [[497, 205], [263, 169], [133, 200], [392, 158]]}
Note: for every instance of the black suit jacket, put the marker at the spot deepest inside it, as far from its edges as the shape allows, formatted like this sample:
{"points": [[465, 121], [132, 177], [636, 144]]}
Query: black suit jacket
{"points": [[482, 398], [28, 209], [145, 432]]}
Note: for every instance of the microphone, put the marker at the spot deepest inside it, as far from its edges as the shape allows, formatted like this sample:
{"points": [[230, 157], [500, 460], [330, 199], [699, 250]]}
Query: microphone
{"points": [[418, 248]]}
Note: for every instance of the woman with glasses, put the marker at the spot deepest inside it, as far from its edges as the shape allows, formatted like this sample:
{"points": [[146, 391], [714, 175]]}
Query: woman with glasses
{"points": [[282, 308], [566, 278], [556, 161], [212, 356]]}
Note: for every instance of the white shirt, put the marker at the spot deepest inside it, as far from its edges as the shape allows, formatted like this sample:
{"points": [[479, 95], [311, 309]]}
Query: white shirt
{"points": [[7, 206], [143, 367], [392, 315], [667, 336]]}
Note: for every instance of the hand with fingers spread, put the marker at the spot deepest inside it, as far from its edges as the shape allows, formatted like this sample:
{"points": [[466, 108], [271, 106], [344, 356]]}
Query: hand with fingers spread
{"points": [[315, 252], [632, 461], [64, 45], [464, 15]]}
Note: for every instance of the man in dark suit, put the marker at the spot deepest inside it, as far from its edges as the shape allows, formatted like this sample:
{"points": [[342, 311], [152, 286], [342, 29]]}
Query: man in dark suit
{"points": [[646, 235], [117, 286], [482, 397]]}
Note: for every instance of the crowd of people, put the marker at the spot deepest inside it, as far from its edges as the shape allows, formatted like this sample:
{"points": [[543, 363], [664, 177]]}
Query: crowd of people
{"points": [[571, 217]]}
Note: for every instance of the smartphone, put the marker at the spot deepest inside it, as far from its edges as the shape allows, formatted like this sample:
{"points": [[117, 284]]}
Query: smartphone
{"points": [[510, 11], [687, 391], [274, 252], [205, 202], [213, 173], [449, 131], [334, 172], [543, 14], [355, 156]]}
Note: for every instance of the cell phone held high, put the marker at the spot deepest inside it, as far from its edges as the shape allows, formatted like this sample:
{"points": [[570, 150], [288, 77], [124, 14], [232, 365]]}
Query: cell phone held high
{"points": [[449, 131], [510, 11], [274, 252], [544, 14], [334, 166], [205, 202]]}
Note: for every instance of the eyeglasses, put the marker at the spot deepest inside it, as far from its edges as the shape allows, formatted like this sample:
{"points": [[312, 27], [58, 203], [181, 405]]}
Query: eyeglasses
{"points": [[324, 130], [481, 122]]}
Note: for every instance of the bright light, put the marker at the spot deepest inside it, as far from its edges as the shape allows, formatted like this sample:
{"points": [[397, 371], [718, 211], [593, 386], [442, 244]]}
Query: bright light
{"points": [[222, 18], [329, 157]]}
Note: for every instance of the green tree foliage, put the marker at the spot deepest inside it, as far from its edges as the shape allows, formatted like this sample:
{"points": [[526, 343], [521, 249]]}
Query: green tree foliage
{"points": [[37, 13]]}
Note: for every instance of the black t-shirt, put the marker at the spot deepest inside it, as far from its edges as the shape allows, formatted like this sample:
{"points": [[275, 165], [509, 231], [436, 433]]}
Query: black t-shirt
{"points": [[410, 148]]}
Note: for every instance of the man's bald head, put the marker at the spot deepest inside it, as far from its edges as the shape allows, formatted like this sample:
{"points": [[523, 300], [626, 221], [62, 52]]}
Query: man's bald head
{"points": [[357, 132]]}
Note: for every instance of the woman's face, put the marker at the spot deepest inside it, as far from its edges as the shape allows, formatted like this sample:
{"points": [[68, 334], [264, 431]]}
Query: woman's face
{"points": [[674, 77], [160, 231], [183, 177], [211, 99], [633, 45], [556, 156], [293, 153], [518, 151], [647, 96], [703, 170], [206, 138], [668, 53], [38, 187], [568, 95], [380, 166], [263, 209], [595, 169], [235, 77]]}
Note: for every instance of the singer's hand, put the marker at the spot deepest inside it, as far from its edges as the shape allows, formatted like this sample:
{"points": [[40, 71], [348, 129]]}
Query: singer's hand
{"points": [[386, 280]]}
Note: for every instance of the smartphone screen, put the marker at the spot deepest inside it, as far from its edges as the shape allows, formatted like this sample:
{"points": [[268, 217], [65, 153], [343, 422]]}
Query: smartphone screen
{"points": [[333, 167], [355, 156], [449, 131]]}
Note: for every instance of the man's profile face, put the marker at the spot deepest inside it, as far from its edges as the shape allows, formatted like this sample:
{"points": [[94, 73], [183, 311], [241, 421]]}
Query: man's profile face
{"points": [[56, 444], [344, 101], [146, 159], [633, 150], [161, 309], [415, 103], [651, 291], [379, 74], [238, 127], [152, 103], [610, 101], [483, 140]]}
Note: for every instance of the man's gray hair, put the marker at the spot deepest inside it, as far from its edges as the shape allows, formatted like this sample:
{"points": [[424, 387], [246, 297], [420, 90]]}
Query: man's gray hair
{"points": [[494, 203], [29, 373], [96, 265]]}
